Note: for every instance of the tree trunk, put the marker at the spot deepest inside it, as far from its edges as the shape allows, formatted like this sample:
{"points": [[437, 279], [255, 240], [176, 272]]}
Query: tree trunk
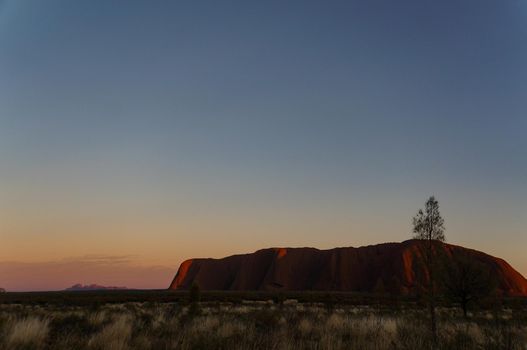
{"points": [[431, 293], [433, 320], [464, 306]]}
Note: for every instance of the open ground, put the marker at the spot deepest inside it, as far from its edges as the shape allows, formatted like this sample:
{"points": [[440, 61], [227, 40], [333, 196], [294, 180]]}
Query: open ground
{"points": [[250, 320]]}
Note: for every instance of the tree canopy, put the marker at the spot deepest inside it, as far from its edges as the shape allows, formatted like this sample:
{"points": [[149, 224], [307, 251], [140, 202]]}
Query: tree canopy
{"points": [[429, 224]]}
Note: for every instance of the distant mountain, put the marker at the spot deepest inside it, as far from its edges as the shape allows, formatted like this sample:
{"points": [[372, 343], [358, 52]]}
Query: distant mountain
{"points": [[80, 287], [394, 266], [2, 290]]}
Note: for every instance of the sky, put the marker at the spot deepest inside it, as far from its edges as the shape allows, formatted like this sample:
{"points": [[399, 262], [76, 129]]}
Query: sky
{"points": [[137, 134]]}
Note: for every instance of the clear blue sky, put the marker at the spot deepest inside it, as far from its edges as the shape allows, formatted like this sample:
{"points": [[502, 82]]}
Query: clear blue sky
{"points": [[169, 129]]}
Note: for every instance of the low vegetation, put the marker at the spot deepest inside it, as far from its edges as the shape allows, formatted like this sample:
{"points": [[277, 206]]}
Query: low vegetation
{"points": [[257, 324]]}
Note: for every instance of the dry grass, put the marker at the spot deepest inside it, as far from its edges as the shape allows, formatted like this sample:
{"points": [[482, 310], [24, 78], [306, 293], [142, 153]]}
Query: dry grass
{"points": [[252, 325], [114, 336], [27, 333], [305, 326]]}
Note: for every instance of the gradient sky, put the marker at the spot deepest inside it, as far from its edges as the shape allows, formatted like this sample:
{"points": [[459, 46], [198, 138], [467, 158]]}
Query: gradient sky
{"points": [[135, 134]]}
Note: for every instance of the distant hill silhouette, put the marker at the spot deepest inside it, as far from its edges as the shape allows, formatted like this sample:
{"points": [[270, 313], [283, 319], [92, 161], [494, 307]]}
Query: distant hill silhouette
{"points": [[80, 287], [391, 267]]}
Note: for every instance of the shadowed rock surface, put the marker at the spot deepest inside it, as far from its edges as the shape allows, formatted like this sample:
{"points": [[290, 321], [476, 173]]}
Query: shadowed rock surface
{"points": [[390, 267]]}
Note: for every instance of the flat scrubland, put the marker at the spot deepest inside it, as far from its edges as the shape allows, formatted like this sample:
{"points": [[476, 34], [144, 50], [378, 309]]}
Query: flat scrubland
{"points": [[232, 322]]}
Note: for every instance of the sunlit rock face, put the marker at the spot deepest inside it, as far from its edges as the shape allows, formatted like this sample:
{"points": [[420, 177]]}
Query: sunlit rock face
{"points": [[390, 267]]}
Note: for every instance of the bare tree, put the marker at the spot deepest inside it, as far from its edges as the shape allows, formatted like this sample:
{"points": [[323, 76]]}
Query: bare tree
{"points": [[466, 281], [428, 225]]}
